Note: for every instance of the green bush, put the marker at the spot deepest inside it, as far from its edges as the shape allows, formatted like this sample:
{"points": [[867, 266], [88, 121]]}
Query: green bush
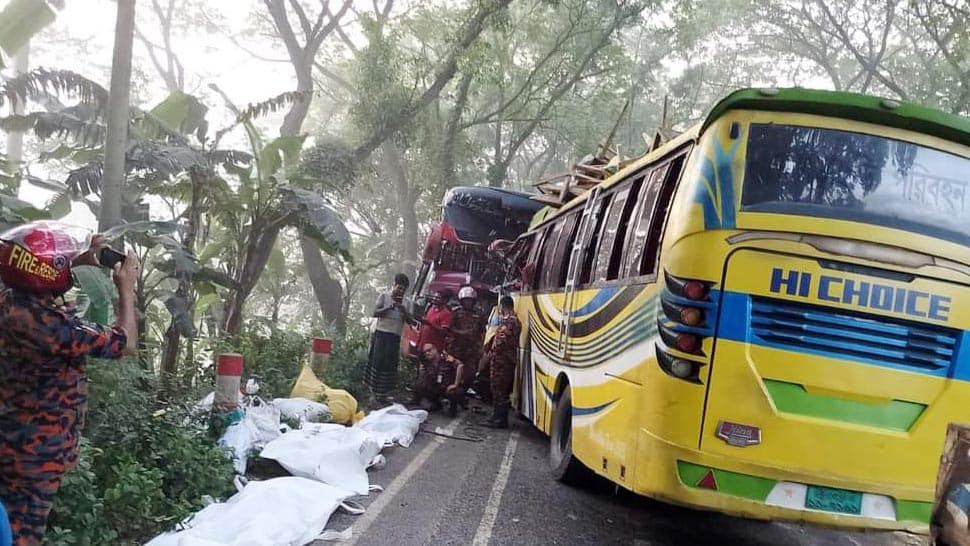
{"points": [[273, 357], [143, 466], [78, 516], [345, 370]]}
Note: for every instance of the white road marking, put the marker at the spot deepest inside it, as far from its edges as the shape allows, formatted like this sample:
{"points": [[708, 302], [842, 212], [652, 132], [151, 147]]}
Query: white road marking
{"points": [[484, 533], [375, 508]]}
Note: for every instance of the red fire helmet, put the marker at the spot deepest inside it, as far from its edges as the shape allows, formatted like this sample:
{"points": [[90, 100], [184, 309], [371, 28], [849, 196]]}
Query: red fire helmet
{"points": [[36, 257]]}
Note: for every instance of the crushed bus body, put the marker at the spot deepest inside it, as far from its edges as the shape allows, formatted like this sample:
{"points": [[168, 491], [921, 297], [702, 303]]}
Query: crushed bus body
{"points": [[457, 250]]}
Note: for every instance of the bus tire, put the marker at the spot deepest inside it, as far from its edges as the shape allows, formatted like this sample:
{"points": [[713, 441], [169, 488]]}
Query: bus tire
{"points": [[565, 467]]}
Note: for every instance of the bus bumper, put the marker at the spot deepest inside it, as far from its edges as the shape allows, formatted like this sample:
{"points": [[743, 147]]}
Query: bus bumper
{"points": [[679, 475]]}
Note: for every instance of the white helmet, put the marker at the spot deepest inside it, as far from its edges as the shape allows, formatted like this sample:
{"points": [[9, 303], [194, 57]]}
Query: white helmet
{"points": [[467, 292]]}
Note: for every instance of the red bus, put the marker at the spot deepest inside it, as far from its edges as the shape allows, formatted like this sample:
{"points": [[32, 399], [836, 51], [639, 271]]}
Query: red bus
{"points": [[460, 249]]}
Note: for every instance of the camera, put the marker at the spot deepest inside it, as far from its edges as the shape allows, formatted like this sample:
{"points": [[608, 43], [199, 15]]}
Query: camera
{"points": [[108, 257]]}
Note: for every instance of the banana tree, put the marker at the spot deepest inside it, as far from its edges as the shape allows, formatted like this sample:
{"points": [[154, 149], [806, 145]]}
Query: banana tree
{"points": [[21, 19], [164, 156]]}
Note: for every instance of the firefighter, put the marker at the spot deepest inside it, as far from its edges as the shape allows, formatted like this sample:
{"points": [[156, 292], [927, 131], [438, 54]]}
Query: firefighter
{"points": [[501, 358], [441, 377], [44, 347], [467, 333]]}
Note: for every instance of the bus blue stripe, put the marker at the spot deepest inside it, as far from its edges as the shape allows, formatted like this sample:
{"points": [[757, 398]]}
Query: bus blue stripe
{"points": [[598, 301], [578, 411]]}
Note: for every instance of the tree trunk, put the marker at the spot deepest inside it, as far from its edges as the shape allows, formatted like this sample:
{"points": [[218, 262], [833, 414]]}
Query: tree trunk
{"points": [[15, 139], [259, 246], [145, 359], [173, 336], [392, 168], [446, 164], [329, 292], [116, 141]]}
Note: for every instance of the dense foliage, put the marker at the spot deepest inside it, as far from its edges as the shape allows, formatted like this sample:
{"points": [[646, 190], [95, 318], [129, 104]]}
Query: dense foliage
{"points": [[255, 243], [144, 466]]}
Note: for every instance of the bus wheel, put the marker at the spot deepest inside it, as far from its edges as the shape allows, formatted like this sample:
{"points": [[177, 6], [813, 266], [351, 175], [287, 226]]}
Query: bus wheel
{"points": [[565, 468]]}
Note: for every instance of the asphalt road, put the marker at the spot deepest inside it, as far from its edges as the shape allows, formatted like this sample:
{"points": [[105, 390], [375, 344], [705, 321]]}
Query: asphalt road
{"points": [[498, 492]]}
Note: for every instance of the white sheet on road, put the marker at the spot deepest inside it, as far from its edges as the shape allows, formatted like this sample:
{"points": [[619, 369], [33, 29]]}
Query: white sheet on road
{"points": [[328, 461], [303, 410], [286, 511], [393, 425], [329, 453]]}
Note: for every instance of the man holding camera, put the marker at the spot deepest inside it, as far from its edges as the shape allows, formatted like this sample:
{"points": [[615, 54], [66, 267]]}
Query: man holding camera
{"points": [[44, 347]]}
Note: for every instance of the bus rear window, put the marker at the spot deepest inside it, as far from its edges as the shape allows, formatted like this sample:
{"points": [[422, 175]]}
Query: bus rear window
{"points": [[859, 177]]}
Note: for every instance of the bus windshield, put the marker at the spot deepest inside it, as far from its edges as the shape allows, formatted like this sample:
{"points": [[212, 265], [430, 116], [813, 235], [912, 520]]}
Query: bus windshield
{"points": [[853, 176]]}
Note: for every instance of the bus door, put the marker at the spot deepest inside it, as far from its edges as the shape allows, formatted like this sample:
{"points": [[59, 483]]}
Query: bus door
{"points": [[587, 224]]}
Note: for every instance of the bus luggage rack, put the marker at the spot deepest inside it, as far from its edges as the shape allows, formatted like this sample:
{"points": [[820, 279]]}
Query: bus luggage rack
{"points": [[855, 336]]}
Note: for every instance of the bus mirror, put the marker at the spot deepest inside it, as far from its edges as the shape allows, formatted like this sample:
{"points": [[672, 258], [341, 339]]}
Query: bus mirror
{"points": [[735, 130]]}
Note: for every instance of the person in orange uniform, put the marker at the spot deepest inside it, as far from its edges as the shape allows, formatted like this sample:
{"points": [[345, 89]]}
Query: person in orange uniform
{"points": [[440, 378], [467, 333], [44, 348], [436, 323], [501, 358]]}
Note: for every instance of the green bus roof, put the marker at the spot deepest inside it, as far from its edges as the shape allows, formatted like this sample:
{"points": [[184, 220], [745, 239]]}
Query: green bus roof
{"points": [[852, 106]]}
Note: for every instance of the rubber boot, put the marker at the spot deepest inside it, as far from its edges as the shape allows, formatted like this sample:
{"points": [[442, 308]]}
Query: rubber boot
{"points": [[500, 416]]}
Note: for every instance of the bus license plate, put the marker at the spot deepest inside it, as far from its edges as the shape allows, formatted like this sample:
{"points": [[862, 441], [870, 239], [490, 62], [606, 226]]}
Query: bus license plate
{"points": [[833, 500]]}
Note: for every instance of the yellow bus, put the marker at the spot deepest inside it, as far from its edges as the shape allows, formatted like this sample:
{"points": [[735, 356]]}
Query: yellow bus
{"points": [[767, 316]]}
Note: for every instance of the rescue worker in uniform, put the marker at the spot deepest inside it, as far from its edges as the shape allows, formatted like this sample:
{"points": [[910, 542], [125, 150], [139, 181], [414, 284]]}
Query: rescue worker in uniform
{"points": [[441, 376], [436, 323], [44, 348], [467, 333], [500, 360]]}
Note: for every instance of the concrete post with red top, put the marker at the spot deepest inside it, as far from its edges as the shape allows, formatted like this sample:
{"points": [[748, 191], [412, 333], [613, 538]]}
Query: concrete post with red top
{"points": [[228, 376], [320, 356]]}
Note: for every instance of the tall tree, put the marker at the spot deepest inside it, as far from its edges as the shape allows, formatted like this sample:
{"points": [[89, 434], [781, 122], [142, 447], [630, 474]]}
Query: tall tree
{"points": [[116, 145], [15, 139], [163, 56]]}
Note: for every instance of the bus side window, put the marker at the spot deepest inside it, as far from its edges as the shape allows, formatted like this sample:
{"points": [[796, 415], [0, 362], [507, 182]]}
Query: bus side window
{"points": [[564, 251], [547, 266], [610, 225], [651, 252], [519, 273], [637, 237], [592, 244], [535, 258], [619, 244]]}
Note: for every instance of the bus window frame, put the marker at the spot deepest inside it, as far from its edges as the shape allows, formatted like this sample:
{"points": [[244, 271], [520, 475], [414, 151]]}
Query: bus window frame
{"points": [[668, 191], [671, 184], [523, 245], [542, 231], [622, 190], [542, 237], [573, 221], [586, 269]]}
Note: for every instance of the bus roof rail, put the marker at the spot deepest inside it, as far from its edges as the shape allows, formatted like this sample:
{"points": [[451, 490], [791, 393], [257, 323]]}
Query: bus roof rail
{"points": [[854, 106]]}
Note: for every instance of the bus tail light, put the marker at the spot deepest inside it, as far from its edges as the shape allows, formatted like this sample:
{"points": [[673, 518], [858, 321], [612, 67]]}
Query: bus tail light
{"points": [[695, 290], [680, 368], [691, 316], [687, 304], [689, 343], [691, 289], [674, 338]]}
